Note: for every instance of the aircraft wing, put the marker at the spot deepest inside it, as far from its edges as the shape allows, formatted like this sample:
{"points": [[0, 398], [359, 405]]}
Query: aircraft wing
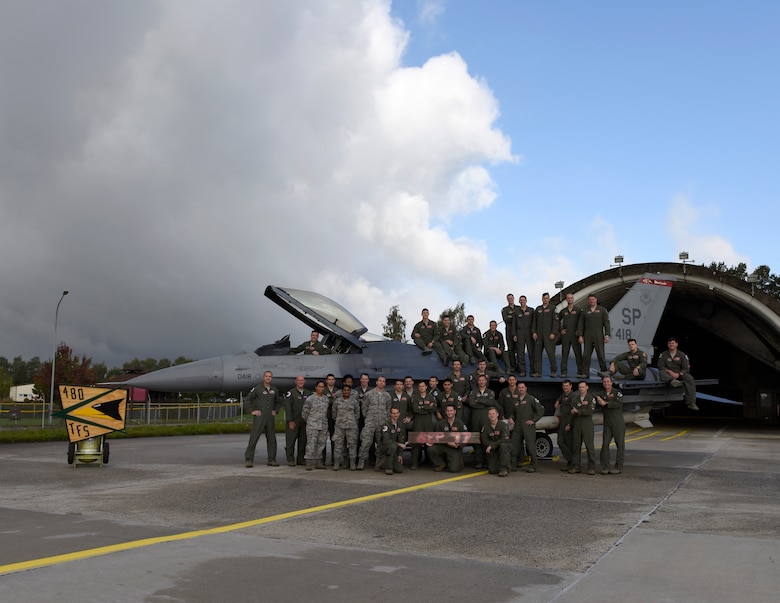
{"points": [[718, 399]]}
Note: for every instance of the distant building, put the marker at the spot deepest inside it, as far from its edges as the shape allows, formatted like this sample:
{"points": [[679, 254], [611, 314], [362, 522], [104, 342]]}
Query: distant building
{"points": [[23, 393]]}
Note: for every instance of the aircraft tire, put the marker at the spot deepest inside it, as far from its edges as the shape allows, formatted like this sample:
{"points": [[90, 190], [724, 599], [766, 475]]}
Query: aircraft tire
{"points": [[105, 453], [71, 453], [544, 445]]}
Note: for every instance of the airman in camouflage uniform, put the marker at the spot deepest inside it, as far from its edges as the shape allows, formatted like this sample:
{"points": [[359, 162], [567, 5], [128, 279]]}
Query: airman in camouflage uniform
{"points": [[263, 402], [346, 413], [315, 413], [611, 402], [295, 431], [378, 406], [582, 410], [494, 436], [526, 411]]}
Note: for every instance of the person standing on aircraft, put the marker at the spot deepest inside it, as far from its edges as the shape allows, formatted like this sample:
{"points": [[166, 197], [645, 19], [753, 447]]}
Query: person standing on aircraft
{"points": [[423, 407], [544, 331], [568, 318], [296, 427], [391, 446], [565, 434], [424, 333], [313, 346], [494, 437], [611, 402], [315, 413], [471, 338], [526, 412], [674, 367], [481, 399], [508, 316], [449, 397], [263, 403], [524, 340], [345, 380], [346, 413], [594, 331], [376, 415], [448, 455], [628, 365], [582, 425], [494, 347]]}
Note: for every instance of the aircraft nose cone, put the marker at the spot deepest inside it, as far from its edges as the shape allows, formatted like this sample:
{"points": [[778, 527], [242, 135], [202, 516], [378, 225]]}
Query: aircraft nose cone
{"points": [[201, 375]]}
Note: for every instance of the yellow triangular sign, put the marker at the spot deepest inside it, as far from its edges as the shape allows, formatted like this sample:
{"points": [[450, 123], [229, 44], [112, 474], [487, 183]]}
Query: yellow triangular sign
{"points": [[92, 411]]}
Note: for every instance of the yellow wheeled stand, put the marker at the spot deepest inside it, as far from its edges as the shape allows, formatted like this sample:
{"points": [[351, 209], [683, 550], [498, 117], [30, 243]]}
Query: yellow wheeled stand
{"points": [[88, 451]]}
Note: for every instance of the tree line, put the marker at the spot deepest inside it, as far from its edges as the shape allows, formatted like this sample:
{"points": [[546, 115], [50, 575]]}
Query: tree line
{"points": [[70, 368]]}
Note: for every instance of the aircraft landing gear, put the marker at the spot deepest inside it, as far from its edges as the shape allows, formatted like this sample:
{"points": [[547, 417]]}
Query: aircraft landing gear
{"points": [[544, 445]]}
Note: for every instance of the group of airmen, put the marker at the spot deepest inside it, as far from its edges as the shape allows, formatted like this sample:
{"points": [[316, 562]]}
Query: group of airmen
{"points": [[527, 331], [364, 423], [536, 331]]}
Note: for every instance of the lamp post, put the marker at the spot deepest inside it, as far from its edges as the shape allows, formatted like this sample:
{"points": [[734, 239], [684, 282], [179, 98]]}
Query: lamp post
{"points": [[559, 286], [684, 259], [54, 357]]}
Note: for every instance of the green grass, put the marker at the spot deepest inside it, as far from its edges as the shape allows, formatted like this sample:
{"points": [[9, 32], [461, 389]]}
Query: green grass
{"points": [[18, 434]]}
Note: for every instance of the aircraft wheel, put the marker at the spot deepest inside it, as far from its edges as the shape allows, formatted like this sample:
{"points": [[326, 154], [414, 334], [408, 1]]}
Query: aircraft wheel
{"points": [[105, 453], [71, 453], [544, 445]]}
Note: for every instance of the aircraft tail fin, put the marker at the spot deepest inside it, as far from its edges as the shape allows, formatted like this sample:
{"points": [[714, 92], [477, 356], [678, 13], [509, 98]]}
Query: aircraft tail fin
{"points": [[638, 314]]}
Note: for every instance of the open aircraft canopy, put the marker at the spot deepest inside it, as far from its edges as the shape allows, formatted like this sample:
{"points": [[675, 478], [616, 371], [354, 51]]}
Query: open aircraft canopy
{"points": [[321, 313]]}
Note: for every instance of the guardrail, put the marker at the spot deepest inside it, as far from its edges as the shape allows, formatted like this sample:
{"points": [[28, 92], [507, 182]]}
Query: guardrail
{"points": [[33, 414]]}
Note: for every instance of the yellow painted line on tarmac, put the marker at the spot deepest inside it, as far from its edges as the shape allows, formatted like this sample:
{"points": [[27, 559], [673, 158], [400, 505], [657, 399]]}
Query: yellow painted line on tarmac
{"points": [[137, 544], [643, 437], [677, 435], [613, 445]]}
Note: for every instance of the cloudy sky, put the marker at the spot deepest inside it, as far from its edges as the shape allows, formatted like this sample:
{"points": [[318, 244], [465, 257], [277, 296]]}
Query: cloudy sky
{"points": [[165, 161]]}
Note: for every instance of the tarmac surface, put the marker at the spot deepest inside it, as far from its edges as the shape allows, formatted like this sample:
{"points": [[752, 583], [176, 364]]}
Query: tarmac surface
{"points": [[693, 517]]}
